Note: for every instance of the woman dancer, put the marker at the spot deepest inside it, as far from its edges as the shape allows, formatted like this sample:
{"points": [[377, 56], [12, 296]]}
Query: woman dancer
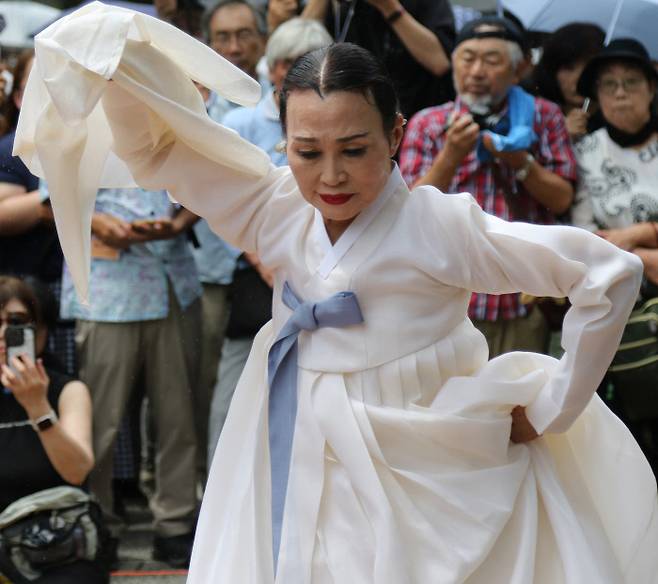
{"points": [[369, 438]]}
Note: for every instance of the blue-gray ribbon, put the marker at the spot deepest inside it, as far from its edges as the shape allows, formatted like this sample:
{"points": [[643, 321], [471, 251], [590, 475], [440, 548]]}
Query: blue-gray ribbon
{"points": [[341, 309]]}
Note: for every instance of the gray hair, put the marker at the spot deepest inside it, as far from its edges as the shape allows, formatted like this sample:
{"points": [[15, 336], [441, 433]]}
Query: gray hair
{"points": [[515, 52], [294, 38], [259, 17]]}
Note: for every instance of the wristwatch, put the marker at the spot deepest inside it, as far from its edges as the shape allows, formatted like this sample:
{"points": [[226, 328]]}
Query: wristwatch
{"points": [[522, 173], [44, 422]]}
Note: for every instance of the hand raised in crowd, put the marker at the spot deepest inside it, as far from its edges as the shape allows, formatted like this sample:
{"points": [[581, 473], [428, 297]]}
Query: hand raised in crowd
{"points": [[522, 429], [577, 123], [461, 137], [28, 383]]}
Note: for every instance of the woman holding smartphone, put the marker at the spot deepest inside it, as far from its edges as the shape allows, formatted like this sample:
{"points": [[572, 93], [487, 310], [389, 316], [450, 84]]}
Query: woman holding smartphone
{"points": [[45, 422]]}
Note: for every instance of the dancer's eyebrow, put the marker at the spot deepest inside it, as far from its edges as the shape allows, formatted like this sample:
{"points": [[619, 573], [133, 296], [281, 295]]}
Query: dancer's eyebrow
{"points": [[342, 139]]}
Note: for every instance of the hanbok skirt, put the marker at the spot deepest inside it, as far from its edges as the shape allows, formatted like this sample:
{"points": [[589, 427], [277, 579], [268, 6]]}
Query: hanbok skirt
{"points": [[405, 474]]}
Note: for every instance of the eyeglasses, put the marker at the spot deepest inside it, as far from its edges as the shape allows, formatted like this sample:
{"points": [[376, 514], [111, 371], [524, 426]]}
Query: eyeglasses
{"points": [[242, 36], [630, 85], [16, 319]]}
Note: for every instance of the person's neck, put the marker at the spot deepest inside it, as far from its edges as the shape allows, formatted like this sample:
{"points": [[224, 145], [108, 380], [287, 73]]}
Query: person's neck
{"points": [[336, 228]]}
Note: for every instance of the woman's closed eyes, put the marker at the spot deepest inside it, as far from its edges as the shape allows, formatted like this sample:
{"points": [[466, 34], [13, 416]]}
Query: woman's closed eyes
{"points": [[349, 152]]}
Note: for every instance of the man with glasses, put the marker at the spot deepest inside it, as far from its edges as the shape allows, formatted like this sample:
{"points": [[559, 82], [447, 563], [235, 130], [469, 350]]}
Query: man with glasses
{"points": [[236, 31], [510, 150]]}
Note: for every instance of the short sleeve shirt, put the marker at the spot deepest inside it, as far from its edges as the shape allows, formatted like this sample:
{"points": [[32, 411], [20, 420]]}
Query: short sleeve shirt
{"points": [[35, 252], [134, 286]]}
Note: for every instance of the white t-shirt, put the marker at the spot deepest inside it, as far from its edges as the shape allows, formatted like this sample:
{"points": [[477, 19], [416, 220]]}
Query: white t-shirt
{"points": [[616, 186]]}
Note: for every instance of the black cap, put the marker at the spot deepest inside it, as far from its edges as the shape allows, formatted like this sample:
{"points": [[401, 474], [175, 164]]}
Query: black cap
{"points": [[497, 27], [618, 50]]}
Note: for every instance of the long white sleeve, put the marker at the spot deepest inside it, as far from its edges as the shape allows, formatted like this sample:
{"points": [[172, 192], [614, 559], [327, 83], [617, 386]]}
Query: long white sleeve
{"points": [[65, 135], [600, 280]]}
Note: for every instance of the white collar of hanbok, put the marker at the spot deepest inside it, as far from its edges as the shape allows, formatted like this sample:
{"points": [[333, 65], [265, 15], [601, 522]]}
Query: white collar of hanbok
{"points": [[332, 254]]}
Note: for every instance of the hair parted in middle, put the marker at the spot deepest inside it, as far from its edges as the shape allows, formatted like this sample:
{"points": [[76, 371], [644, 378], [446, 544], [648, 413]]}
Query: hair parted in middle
{"points": [[342, 67]]}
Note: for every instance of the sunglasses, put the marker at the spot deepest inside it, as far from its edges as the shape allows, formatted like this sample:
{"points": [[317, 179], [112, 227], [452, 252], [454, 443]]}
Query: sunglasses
{"points": [[16, 319]]}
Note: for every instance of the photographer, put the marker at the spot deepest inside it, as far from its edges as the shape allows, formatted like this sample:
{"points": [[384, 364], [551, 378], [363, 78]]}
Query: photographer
{"points": [[510, 150], [45, 422]]}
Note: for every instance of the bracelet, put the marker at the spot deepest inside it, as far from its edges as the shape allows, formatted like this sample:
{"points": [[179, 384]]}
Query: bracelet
{"points": [[395, 15]]}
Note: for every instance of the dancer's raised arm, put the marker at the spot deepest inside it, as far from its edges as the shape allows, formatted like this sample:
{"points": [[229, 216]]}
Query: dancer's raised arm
{"points": [[111, 103]]}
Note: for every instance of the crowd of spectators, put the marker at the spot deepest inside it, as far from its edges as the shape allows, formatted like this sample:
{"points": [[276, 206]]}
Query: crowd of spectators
{"points": [[174, 309]]}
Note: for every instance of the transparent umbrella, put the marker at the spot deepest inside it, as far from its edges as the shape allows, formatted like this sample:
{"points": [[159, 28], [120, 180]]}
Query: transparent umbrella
{"points": [[621, 18]]}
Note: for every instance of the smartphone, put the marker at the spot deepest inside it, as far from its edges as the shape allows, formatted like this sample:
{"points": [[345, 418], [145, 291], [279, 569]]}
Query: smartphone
{"points": [[20, 340]]}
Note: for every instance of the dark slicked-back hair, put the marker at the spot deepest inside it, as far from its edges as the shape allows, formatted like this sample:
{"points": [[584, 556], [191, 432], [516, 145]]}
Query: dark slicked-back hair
{"points": [[342, 67]]}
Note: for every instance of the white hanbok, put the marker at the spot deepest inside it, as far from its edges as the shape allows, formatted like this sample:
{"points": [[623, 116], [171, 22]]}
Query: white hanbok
{"points": [[402, 470]]}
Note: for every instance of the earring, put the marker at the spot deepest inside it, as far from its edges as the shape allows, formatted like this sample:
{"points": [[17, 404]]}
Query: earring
{"points": [[281, 147]]}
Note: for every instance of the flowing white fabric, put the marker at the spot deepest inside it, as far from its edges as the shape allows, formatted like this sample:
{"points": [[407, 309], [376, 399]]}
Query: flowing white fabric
{"points": [[63, 132], [402, 470]]}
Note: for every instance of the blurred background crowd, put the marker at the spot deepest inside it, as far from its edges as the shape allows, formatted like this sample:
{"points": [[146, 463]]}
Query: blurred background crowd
{"points": [[544, 111]]}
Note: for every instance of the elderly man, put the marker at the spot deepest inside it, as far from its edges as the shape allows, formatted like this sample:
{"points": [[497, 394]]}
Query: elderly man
{"points": [[237, 32], [261, 126], [511, 151]]}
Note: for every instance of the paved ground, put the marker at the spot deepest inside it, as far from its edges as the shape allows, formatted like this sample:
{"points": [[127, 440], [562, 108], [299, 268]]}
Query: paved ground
{"points": [[135, 563]]}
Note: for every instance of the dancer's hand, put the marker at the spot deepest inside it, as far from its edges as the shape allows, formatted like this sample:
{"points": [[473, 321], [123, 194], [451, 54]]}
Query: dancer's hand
{"points": [[522, 430]]}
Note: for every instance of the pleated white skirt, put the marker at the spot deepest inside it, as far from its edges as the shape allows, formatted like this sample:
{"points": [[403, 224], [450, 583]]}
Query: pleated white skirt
{"points": [[404, 474]]}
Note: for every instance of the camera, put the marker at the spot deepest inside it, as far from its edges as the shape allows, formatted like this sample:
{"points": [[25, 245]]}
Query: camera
{"points": [[20, 340]]}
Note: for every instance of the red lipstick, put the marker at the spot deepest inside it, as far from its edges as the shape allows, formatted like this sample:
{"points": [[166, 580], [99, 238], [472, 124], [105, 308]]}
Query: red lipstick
{"points": [[339, 199]]}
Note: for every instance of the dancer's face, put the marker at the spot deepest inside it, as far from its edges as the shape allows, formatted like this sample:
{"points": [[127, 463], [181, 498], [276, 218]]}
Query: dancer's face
{"points": [[339, 153]]}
